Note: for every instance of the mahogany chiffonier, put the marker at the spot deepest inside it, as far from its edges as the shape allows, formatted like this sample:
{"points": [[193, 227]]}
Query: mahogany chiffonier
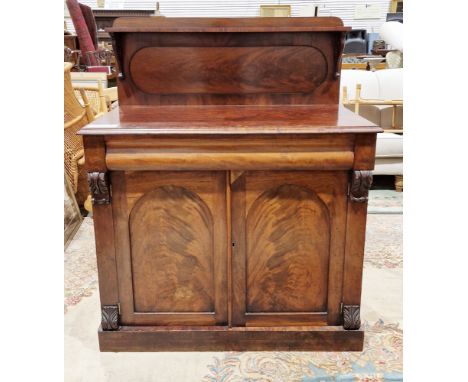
{"points": [[229, 188]]}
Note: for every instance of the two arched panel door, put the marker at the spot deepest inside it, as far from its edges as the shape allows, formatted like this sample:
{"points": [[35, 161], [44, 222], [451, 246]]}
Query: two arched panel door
{"points": [[277, 238]]}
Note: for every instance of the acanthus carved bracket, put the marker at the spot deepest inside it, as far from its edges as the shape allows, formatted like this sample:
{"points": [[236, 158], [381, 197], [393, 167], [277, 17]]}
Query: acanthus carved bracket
{"points": [[361, 182], [110, 317], [351, 317], [99, 187]]}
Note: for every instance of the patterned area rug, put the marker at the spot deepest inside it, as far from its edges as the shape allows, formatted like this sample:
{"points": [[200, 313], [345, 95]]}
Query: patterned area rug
{"points": [[80, 265], [385, 202], [380, 361]]}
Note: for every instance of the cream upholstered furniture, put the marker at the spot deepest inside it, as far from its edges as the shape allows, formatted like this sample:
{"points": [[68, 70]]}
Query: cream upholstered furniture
{"points": [[378, 97]]}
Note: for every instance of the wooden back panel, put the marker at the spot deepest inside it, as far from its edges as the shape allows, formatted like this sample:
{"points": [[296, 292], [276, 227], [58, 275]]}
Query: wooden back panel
{"points": [[253, 61]]}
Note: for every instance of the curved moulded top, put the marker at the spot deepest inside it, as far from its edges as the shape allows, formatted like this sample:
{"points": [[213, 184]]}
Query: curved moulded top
{"points": [[208, 24]]}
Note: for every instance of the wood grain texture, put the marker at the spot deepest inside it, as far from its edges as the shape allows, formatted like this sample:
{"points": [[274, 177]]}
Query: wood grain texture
{"points": [[364, 151], [171, 235], [213, 24], [129, 160], [230, 121], [171, 247], [288, 236], [228, 61], [95, 151], [231, 224], [299, 338], [354, 253], [247, 70], [285, 225]]}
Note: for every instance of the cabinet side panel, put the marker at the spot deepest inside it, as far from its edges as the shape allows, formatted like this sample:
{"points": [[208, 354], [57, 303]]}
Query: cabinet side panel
{"points": [[95, 151]]}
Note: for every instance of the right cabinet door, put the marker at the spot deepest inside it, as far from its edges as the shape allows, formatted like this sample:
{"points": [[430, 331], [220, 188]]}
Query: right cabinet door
{"points": [[288, 242]]}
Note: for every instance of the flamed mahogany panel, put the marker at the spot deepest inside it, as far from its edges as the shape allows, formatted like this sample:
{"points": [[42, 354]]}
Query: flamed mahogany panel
{"points": [[287, 265], [288, 230], [228, 70], [171, 231]]}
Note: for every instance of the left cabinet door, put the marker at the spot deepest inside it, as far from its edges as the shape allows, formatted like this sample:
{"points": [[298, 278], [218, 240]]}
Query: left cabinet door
{"points": [[170, 232]]}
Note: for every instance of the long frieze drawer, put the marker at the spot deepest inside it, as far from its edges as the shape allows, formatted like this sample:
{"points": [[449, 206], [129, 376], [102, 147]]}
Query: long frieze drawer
{"points": [[128, 160], [257, 153]]}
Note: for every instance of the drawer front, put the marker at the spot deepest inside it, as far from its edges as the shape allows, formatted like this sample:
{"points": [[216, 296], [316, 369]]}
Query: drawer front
{"points": [[295, 152], [288, 231], [170, 231]]}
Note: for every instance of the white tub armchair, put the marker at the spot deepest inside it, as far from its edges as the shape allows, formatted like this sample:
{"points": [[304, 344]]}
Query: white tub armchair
{"points": [[378, 97]]}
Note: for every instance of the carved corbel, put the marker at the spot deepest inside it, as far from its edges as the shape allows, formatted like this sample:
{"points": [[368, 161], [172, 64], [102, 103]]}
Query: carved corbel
{"points": [[99, 187], [361, 182], [110, 317], [351, 317]]}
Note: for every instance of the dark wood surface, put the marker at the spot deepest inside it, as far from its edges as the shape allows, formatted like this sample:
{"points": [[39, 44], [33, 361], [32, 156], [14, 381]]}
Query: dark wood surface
{"points": [[282, 276], [223, 25], [229, 120], [237, 205], [249, 69], [172, 247], [211, 61], [302, 338]]}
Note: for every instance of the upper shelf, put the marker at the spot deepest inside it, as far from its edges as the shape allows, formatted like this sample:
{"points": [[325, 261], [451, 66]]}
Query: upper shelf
{"points": [[207, 24], [229, 120]]}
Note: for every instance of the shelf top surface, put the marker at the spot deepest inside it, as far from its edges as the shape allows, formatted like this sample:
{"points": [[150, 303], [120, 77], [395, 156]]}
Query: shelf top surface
{"points": [[229, 120], [209, 24]]}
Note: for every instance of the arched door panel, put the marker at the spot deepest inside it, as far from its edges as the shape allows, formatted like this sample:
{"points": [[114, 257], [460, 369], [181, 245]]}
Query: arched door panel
{"points": [[288, 247], [173, 247]]}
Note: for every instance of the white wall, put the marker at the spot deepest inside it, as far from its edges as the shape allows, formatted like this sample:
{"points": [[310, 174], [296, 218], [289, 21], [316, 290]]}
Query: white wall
{"points": [[251, 8]]}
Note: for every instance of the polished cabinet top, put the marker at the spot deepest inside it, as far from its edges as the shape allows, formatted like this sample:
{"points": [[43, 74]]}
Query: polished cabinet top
{"points": [[230, 120]]}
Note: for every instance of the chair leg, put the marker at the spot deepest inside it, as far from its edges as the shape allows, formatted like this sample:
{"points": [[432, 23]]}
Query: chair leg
{"points": [[399, 183]]}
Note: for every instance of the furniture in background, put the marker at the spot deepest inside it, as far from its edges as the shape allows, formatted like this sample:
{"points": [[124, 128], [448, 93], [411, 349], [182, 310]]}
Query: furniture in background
{"points": [[70, 41], [105, 17], [351, 62], [378, 97], [91, 80], [95, 96], [76, 115], [81, 24], [72, 56], [229, 188], [72, 215], [356, 42]]}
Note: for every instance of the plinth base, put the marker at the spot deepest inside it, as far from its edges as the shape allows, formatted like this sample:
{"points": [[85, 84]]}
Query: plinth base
{"points": [[220, 338]]}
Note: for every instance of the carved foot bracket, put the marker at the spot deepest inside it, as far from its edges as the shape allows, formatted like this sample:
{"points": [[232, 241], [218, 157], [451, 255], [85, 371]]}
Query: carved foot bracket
{"points": [[99, 187], [110, 317], [351, 317], [361, 182]]}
